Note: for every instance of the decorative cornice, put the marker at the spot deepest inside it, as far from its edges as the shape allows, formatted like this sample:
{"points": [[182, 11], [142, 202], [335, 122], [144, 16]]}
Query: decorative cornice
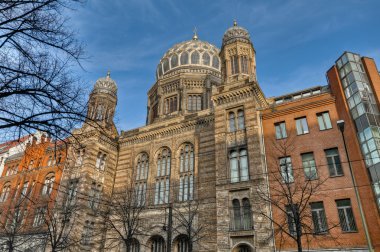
{"points": [[239, 93], [134, 137]]}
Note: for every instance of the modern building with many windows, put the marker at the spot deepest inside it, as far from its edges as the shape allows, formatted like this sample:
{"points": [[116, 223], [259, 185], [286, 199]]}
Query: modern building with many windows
{"points": [[220, 167]]}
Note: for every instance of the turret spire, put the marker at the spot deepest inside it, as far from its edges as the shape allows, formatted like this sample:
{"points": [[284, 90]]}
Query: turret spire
{"points": [[195, 37]]}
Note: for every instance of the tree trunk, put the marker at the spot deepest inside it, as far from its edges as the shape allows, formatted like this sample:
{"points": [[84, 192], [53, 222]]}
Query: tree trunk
{"points": [[299, 244], [128, 247]]}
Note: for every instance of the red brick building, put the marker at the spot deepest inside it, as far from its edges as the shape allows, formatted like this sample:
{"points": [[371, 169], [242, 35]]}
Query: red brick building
{"points": [[308, 169], [28, 187]]}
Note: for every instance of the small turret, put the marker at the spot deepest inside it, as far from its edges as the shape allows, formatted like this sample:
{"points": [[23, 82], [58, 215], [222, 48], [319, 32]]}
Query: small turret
{"points": [[102, 102], [237, 55]]}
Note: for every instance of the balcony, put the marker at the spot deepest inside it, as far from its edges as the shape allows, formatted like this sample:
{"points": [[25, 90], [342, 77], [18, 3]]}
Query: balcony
{"points": [[241, 225]]}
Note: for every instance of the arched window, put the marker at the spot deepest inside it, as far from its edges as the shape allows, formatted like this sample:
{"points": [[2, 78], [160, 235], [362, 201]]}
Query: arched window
{"points": [[142, 167], [101, 161], [244, 64], [162, 178], [184, 58], [5, 192], [48, 184], [238, 165], [31, 163], [247, 214], [182, 243], [241, 214], [174, 60], [157, 244], [236, 214], [195, 58], [186, 186], [241, 124], [215, 62], [166, 65], [141, 178], [231, 118], [206, 59], [50, 161], [243, 248]]}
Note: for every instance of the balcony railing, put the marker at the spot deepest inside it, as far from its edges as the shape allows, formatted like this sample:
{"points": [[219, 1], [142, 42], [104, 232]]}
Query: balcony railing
{"points": [[241, 223]]}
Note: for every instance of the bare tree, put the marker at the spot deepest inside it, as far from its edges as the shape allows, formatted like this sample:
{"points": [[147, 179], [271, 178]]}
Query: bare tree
{"points": [[290, 192], [123, 218], [60, 219], [186, 219], [38, 90], [14, 225]]}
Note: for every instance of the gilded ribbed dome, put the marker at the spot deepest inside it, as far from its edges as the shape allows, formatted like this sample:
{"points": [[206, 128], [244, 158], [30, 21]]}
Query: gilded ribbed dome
{"points": [[105, 85], [236, 33], [192, 54]]}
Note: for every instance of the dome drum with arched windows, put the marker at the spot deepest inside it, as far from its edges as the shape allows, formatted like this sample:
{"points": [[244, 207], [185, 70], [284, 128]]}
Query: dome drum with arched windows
{"points": [[191, 54]]}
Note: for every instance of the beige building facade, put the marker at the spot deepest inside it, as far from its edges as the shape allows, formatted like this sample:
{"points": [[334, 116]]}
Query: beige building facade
{"points": [[202, 146]]}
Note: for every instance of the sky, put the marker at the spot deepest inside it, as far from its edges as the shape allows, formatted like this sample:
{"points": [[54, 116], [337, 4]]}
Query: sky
{"points": [[296, 42]]}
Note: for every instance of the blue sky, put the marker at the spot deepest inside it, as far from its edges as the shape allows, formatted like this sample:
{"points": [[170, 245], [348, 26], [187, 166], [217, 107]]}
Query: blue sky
{"points": [[296, 41]]}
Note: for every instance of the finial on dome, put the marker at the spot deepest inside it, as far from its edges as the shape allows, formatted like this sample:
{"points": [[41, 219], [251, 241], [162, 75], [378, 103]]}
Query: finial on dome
{"points": [[235, 23], [195, 37], [108, 74]]}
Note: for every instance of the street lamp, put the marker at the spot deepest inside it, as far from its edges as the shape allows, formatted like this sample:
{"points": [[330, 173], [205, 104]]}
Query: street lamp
{"points": [[340, 125]]}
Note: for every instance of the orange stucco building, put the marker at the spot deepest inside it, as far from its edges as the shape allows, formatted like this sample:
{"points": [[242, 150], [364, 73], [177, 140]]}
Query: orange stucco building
{"points": [[28, 187]]}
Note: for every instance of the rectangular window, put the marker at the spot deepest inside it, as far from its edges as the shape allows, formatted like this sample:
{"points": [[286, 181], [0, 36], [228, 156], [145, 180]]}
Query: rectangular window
{"points": [[87, 233], [346, 215], [333, 162], [194, 103], [155, 111], [140, 193], [324, 121], [280, 130], [39, 216], [94, 196], [186, 188], [309, 167], [244, 64], [301, 125], [286, 169], [24, 189], [291, 212], [170, 104], [234, 65], [319, 217], [162, 191], [72, 193]]}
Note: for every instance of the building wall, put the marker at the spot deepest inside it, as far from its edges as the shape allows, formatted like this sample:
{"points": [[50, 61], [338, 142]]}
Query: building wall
{"points": [[197, 131], [361, 173], [34, 173], [329, 189]]}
